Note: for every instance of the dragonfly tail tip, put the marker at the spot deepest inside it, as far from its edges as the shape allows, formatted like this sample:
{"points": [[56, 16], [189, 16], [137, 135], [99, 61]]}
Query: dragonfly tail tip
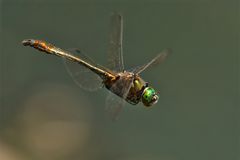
{"points": [[28, 42]]}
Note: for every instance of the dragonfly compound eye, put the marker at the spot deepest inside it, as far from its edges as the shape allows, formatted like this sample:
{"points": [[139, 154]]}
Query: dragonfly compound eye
{"points": [[149, 97]]}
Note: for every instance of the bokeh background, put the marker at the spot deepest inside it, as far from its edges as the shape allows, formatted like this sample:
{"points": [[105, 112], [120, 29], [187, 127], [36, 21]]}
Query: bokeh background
{"points": [[44, 115]]}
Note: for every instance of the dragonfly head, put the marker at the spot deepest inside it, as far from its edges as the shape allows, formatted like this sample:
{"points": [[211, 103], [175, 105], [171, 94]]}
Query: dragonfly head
{"points": [[149, 97]]}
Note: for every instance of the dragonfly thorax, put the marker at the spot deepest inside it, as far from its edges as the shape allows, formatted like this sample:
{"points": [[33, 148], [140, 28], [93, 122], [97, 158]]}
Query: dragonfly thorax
{"points": [[127, 85]]}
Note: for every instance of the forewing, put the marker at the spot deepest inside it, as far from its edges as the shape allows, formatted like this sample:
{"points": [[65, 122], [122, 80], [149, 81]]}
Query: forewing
{"points": [[115, 55], [155, 61], [81, 75], [114, 103]]}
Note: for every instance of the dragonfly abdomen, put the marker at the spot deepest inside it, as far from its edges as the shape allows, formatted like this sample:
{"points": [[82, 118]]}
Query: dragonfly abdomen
{"points": [[51, 49]]}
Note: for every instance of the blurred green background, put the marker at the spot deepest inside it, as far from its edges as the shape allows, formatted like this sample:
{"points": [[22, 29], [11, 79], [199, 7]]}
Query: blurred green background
{"points": [[44, 115]]}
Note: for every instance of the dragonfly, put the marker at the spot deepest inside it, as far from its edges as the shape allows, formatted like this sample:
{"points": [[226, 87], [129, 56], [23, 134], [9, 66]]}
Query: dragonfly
{"points": [[124, 85]]}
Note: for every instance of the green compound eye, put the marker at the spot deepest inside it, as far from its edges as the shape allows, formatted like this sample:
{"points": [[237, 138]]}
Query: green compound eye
{"points": [[149, 92], [149, 96]]}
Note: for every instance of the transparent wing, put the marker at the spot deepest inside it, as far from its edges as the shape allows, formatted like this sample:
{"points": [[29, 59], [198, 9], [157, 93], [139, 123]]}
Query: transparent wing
{"points": [[114, 103], [81, 75], [155, 61], [115, 56]]}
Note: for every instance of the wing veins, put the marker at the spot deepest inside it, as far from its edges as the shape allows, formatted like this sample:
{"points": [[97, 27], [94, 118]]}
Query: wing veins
{"points": [[155, 61]]}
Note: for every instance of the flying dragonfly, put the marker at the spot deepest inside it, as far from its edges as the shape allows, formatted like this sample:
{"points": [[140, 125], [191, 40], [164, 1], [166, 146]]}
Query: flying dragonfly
{"points": [[126, 84]]}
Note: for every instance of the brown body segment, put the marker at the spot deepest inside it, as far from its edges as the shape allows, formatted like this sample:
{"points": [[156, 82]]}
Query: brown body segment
{"points": [[42, 45], [135, 92]]}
